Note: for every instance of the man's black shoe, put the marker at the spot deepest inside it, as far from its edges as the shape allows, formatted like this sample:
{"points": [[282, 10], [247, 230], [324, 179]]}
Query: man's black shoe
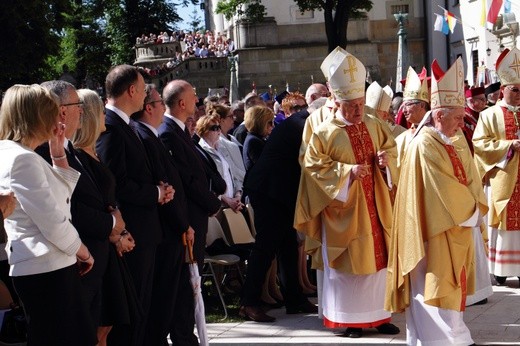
{"points": [[353, 333], [388, 328], [255, 313], [306, 307], [500, 279]]}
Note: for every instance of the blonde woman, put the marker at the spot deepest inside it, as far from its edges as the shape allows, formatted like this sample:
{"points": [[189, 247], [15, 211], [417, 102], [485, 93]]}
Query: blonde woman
{"points": [[44, 250], [259, 122], [106, 276]]}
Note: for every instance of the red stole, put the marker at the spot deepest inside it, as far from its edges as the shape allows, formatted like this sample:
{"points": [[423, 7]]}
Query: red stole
{"points": [[470, 121], [513, 206], [460, 173], [365, 155]]}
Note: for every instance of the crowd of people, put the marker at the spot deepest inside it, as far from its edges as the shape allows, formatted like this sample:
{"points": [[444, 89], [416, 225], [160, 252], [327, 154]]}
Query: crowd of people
{"points": [[393, 196], [193, 45], [196, 43]]}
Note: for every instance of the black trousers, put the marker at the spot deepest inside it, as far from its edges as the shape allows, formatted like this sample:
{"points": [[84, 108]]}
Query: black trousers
{"points": [[275, 235], [141, 262], [56, 311], [171, 289]]}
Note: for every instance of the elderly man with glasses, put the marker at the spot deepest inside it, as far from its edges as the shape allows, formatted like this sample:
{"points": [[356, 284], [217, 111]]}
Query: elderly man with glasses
{"points": [[496, 142], [416, 99]]}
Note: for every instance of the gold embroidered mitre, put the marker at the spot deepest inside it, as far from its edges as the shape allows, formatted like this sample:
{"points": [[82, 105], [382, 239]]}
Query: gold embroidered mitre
{"points": [[325, 65], [347, 77], [447, 87], [508, 66], [379, 98], [416, 88]]}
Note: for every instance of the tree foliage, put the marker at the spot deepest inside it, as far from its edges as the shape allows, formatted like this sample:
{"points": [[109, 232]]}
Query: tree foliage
{"points": [[195, 22], [29, 32], [253, 10], [42, 38], [336, 14]]}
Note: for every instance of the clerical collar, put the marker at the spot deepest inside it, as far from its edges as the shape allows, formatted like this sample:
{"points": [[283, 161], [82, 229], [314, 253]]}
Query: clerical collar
{"points": [[339, 116], [502, 103], [120, 113], [445, 138], [177, 121], [153, 129]]}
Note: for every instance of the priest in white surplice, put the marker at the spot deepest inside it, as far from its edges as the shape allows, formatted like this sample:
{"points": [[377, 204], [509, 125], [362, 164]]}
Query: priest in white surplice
{"points": [[344, 203]]}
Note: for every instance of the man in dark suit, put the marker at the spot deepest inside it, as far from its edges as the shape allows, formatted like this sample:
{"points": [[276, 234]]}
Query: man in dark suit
{"points": [[93, 221], [171, 289], [180, 100], [138, 194], [272, 186]]}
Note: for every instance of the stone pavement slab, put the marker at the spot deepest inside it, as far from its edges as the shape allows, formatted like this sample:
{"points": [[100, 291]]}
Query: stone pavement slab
{"points": [[495, 323]]}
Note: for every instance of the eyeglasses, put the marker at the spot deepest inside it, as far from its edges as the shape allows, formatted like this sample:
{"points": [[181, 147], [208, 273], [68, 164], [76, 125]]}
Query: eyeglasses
{"points": [[214, 128], [514, 89], [80, 104], [161, 101]]}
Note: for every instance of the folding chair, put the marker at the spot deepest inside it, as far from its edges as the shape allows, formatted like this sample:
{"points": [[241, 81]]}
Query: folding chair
{"points": [[224, 260], [251, 215], [237, 226]]}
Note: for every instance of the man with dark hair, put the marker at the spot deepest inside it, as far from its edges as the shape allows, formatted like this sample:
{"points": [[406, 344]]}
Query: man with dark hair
{"points": [[138, 194], [171, 287], [180, 100]]}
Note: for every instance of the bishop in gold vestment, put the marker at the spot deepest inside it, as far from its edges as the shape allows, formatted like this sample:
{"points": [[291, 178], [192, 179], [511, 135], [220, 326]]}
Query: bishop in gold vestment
{"points": [[431, 260], [496, 142], [344, 203]]}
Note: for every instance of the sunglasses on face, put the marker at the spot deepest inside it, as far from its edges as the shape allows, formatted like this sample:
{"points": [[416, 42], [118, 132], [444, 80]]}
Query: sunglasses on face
{"points": [[214, 128]]}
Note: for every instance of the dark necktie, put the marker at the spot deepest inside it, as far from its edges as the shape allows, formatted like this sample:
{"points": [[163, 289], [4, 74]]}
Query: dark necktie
{"points": [[187, 132]]}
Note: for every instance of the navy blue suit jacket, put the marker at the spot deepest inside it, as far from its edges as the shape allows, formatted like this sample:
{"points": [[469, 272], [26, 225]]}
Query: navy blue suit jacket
{"points": [[121, 150]]}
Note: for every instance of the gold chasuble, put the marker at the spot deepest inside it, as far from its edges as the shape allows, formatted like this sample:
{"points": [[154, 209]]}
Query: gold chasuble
{"points": [[358, 229], [492, 139], [437, 192]]}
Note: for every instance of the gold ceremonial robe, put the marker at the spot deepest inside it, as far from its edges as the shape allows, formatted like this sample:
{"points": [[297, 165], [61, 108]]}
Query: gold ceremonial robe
{"points": [[314, 120], [430, 205], [327, 164], [491, 146]]}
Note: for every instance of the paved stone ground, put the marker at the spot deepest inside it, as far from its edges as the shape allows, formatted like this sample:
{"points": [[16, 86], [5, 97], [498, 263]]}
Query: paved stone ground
{"points": [[495, 323]]}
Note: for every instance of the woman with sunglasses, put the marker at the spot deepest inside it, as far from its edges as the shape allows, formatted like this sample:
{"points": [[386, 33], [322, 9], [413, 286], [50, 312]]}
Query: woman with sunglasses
{"points": [[209, 130], [259, 124]]}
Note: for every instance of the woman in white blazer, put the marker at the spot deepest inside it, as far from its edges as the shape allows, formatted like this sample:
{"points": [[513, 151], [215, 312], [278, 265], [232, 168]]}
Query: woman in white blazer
{"points": [[45, 253]]}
